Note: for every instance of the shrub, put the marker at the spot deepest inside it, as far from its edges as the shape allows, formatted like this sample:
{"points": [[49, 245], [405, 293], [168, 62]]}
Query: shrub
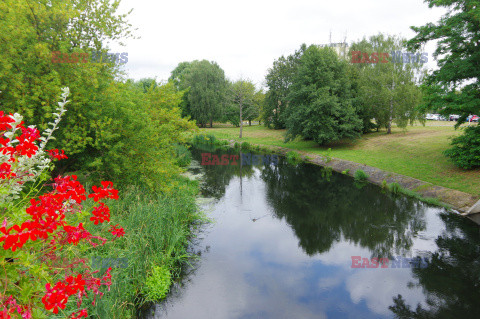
{"points": [[158, 283], [246, 146], [345, 172], [293, 157], [360, 175], [202, 139], [465, 152]]}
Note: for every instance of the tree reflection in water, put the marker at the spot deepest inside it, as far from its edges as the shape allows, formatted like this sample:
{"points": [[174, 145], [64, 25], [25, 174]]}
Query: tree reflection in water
{"points": [[451, 281], [323, 209]]}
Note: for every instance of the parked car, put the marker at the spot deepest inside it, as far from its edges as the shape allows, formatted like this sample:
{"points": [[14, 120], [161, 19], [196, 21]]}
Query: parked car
{"points": [[453, 117], [472, 118], [435, 117]]}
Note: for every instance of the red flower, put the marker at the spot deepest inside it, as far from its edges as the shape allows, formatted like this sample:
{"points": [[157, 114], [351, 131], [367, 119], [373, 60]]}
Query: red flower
{"points": [[117, 232], [79, 314], [100, 214], [75, 234], [58, 154], [6, 171], [70, 188], [4, 121], [106, 191], [55, 297], [30, 133]]}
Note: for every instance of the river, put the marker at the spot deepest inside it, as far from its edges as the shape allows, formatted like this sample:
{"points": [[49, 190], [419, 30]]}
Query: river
{"points": [[298, 241]]}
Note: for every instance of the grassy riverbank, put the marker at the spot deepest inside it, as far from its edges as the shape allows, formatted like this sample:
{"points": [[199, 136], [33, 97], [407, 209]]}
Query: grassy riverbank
{"points": [[416, 153], [158, 229]]}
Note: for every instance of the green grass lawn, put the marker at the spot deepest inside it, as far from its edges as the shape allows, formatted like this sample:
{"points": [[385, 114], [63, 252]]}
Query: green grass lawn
{"points": [[416, 152]]}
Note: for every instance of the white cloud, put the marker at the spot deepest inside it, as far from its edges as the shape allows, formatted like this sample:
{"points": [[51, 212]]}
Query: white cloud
{"points": [[246, 37]]}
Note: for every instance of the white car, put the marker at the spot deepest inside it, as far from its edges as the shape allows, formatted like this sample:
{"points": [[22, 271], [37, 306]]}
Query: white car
{"points": [[435, 117]]}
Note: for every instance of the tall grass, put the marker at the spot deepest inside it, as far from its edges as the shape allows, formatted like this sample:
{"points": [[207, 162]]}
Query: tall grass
{"points": [[360, 175], [157, 231]]}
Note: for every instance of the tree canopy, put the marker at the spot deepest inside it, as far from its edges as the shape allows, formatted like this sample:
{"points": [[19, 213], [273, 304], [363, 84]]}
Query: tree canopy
{"points": [[320, 102]]}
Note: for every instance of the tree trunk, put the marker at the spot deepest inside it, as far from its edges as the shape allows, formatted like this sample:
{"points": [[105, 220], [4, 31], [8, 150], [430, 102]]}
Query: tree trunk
{"points": [[241, 121], [211, 123], [390, 119], [249, 122]]}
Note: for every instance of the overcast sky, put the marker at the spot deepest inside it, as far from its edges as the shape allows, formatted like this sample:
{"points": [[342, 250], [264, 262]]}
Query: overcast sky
{"points": [[245, 37]]}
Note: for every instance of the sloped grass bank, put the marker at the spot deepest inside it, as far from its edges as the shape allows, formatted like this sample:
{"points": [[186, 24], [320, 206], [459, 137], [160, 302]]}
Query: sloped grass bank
{"points": [[416, 153]]}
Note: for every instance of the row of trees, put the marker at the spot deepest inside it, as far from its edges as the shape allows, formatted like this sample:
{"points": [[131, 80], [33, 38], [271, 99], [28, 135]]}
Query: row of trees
{"points": [[210, 96], [319, 95]]}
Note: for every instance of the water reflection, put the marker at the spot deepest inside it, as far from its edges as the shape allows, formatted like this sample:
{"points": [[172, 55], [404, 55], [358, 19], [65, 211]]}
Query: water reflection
{"points": [[451, 282], [282, 243]]}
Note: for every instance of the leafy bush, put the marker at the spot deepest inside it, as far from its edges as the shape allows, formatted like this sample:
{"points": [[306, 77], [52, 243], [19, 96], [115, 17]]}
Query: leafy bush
{"points": [[246, 146], [204, 139], [465, 152], [293, 157], [360, 175], [158, 283]]}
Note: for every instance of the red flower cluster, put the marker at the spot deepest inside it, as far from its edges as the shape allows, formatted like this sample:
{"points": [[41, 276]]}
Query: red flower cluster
{"points": [[117, 232], [5, 121], [48, 221], [58, 154], [100, 214], [79, 314], [10, 306], [57, 296], [106, 191], [6, 171]]}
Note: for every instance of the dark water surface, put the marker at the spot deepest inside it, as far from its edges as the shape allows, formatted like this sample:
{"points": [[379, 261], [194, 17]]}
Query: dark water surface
{"points": [[282, 242]]}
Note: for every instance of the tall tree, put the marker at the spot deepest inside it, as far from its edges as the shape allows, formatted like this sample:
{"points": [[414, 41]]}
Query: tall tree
{"points": [[279, 80], [455, 86], [458, 56], [243, 92], [30, 80], [387, 85], [206, 85], [320, 101]]}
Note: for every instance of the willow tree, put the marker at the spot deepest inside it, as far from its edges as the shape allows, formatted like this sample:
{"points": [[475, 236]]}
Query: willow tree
{"points": [[388, 84], [206, 87]]}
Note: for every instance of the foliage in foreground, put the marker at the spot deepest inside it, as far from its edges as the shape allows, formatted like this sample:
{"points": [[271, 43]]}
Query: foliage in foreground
{"points": [[45, 236], [158, 229]]}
